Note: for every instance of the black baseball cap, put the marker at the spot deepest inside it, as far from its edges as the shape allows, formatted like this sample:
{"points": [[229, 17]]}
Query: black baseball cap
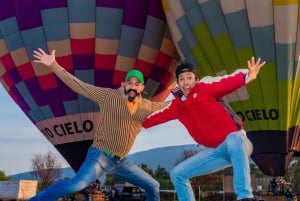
{"points": [[185, 67]]}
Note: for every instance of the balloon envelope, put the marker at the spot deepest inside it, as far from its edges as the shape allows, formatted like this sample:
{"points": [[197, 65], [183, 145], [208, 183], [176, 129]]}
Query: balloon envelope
{"points": [[219, 36], [96, 40]]}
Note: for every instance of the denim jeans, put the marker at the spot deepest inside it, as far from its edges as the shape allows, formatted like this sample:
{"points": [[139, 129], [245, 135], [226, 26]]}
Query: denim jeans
{"points": [[96, 164], [235, 151]]}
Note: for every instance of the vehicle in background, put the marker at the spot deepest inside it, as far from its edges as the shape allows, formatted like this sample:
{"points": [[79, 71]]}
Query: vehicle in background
{"points": [[131, 193]]}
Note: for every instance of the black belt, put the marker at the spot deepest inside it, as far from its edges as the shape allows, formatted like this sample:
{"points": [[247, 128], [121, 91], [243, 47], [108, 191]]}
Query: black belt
{"points": [[117, 157]]}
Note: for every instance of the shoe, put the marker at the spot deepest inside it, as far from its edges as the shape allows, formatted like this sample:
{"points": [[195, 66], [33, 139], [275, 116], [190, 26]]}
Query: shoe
{"points": [[248, 199]]}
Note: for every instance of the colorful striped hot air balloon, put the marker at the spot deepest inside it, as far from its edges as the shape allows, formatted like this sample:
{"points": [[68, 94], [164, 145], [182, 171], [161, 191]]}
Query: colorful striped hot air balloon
{"points": [[96, 40], [219, 36]]}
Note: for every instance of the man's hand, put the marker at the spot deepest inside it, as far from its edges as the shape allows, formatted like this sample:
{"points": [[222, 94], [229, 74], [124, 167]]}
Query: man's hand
{"points": [[254, 68], [42, 57]]}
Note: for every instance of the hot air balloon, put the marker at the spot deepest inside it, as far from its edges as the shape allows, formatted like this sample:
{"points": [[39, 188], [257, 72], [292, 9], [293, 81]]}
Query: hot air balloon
{"points": [[98, 41], [219, 36]]}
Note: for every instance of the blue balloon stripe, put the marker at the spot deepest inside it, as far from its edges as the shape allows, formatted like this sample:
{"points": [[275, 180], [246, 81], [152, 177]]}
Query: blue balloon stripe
{"points": [[238, 27], [25, 93], [189, 5], [214, 17], [186, 31], [285, 61], [86, 105], [263, 42], [47, 112], [15, 94], [185, 48], [81, 11], [130, 41], [11, 34], [108, 23], [195, 16], [87, 76], [82, 104], [56, 24], [33, 39], [36, 114], [72, 107], [154, 32]]}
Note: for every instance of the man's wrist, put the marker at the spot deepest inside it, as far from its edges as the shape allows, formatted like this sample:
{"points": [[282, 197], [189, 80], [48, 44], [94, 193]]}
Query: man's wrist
{"points": [[249, 77]]}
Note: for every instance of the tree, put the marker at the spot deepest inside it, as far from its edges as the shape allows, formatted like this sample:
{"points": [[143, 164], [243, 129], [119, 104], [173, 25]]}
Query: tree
{"points": [[293, 174], [147, 169], [161, 172], [47, 168], [163, 177], [3, 177]]}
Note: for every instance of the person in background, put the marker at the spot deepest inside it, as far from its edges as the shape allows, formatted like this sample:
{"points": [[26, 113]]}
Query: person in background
{"points": [[288, 194], [93, 188], [122, 113], [212, 124], [273, 186], [113, 194]]}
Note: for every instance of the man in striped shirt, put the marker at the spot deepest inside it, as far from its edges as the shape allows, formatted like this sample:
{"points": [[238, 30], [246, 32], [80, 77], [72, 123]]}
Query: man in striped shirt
{"points": [[122, 113]]}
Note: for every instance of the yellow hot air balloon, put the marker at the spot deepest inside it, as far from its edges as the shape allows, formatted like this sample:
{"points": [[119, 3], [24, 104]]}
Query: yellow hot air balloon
{"points": [[98, 41], [219, 36]]}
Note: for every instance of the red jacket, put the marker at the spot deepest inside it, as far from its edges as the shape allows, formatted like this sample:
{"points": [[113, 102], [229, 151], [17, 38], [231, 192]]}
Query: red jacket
{"points": [[206, 119]]}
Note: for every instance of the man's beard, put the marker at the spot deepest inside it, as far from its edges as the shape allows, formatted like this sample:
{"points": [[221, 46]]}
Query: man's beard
{"points": [[132, 97]]}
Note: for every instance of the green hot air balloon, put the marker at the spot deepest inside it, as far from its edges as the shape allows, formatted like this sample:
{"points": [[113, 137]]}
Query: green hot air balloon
{"points": [[96, 40], [219, 36]]}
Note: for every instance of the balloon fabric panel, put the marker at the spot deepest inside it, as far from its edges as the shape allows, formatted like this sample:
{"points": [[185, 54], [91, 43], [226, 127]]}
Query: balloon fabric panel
{"points": [[220, 36], [97, 41]]}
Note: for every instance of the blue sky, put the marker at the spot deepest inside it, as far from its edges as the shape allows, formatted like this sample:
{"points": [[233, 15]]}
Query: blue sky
{"points": [[20, 140]]}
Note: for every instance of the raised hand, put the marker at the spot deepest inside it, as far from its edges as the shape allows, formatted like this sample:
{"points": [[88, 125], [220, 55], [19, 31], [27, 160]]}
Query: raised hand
{"points": [[254, 68], [42, 57]]}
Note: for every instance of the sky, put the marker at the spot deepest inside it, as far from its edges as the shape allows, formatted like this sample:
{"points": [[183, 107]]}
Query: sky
{"points": [[20, 140]]}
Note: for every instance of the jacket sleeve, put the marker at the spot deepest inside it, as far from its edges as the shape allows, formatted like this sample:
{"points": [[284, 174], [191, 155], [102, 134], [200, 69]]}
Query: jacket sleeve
{"points": [[90, 91], [223, 85], [168, 113]]}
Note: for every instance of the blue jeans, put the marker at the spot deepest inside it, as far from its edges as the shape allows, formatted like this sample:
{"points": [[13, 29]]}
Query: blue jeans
{"points": [[96, 164], [235, 151]]}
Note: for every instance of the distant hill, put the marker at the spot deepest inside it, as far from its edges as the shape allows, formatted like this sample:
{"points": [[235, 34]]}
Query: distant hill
{"points": [[165, 157]]}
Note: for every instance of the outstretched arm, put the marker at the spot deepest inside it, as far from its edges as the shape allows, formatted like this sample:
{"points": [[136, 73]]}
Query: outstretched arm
{"points": [[254, 68], [223, 85], [92, 92]]}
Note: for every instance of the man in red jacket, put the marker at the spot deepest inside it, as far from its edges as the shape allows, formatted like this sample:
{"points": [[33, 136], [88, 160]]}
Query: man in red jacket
{"points": [[212, 125]]}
